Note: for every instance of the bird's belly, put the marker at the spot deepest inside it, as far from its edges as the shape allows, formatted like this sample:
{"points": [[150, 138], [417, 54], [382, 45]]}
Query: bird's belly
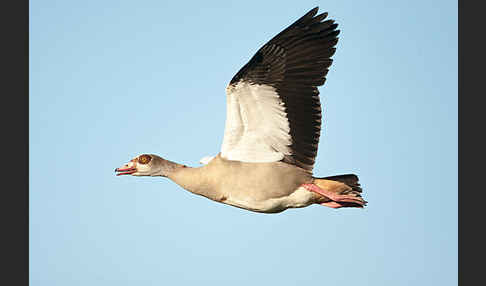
{"points": [[297, 199], [261, 187]]}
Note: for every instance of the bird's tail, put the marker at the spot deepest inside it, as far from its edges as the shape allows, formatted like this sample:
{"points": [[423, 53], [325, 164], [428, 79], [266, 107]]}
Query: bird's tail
{"points": [[343, 185]]}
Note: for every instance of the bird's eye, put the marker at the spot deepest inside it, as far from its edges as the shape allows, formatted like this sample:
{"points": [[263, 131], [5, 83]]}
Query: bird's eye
{"points": [[144, 159]]}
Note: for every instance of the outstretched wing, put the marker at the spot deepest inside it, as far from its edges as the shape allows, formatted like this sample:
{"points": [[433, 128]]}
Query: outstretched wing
{"points": [[273, 106]]}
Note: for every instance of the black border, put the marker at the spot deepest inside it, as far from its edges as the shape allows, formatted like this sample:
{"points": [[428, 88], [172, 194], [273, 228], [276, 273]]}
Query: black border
{"points": [[471, 144], [15, 134]]}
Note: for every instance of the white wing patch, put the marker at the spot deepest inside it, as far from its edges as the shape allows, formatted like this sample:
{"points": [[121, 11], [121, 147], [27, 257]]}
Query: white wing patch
{"points": [[257, 128]]}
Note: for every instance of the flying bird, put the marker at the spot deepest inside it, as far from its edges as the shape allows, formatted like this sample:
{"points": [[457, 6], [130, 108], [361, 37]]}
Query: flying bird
{"points": [[272, 130]]}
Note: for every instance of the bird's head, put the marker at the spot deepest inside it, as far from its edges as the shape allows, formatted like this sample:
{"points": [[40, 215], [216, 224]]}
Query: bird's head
{"points": [[145, 165]]}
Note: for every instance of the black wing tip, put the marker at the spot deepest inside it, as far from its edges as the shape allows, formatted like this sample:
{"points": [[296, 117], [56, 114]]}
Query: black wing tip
{"points": [[310, 19], [309, 16], [312, 14], [313, 11]]}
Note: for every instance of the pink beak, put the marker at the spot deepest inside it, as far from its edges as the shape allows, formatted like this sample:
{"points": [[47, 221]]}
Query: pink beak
{"points": [[126, 170]]}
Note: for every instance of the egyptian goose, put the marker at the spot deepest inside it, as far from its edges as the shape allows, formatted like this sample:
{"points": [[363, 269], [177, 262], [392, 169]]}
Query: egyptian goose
{"points": [[272, 129]]}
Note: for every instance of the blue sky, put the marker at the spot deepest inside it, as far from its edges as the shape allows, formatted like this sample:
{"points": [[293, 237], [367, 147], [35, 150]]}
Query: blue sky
{"points": [[113, 79]]}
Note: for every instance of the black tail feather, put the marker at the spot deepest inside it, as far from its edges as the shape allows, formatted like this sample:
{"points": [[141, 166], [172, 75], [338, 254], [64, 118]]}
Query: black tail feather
{"points": [[349, 179]]}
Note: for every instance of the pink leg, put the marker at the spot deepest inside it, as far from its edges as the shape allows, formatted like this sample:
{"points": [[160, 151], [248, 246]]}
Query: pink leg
{"points": [[335, 197], [332, 204], [336, 205]]}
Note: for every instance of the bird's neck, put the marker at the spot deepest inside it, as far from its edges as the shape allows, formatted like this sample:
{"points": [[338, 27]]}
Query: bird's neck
{"points": [[195, 180]]}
